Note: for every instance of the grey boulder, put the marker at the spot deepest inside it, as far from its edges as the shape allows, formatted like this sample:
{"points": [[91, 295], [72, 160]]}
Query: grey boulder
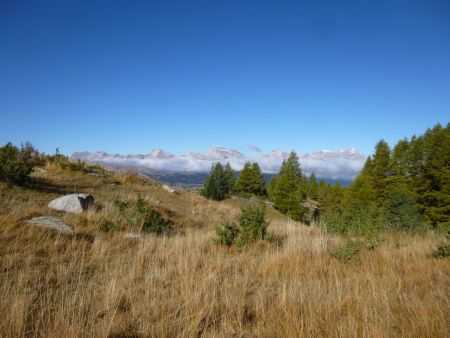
{"points": [[50, 222], [74, 203]]}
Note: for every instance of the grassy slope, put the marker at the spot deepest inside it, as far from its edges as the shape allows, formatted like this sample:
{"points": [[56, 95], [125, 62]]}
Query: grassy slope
{"points": [[98, 285]]}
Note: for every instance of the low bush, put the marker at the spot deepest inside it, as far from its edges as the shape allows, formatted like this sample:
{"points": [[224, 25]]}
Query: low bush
{"points": [[139, 215], [147, 218], [108, 226], [442, 251], [15, 164], [348, 250], [226, 234], [251, 226]]}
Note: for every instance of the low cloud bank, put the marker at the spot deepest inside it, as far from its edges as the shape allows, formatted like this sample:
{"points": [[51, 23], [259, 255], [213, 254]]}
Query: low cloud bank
{"points": [[339, 165]]}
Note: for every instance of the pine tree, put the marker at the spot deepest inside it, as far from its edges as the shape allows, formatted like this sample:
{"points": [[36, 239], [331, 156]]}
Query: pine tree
{"points": [[244, 182], [272, 187], [380, 171], [359, 204], [250, 181], [287, 192], [399, 165], [229, 179], [312, 187], [218, 185], [258, 181], [434, 183]]}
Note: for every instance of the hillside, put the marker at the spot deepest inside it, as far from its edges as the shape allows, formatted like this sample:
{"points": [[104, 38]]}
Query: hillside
{"points": [[186, 180], [100, 284]]}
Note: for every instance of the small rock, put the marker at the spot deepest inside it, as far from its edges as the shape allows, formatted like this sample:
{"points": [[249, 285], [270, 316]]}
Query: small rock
{"points": [[40, 170], [168, 189], [92, 174], [51, 222], [75, 203], [135, 236]]}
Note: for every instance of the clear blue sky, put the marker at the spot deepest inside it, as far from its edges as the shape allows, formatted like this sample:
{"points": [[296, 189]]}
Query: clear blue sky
{"points": [[129, 76]]}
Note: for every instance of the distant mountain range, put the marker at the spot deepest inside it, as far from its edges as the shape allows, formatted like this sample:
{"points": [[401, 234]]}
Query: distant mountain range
{"points": [[190, 168]]}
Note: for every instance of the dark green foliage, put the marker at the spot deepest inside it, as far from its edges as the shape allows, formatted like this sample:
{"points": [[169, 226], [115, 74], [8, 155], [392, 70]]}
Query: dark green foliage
{"points": [[406, 189], [219, 184], [288, 190], [401, 212], [153, 222], [250, 226], [442, 251], [312, 187], [148, 219], [271, 188], [380, 171], [138, 214], [359, 218], [250, 181], [226, 234], [348, 250], [229, 178], [15, 164], [434, 183], [65, 163]]}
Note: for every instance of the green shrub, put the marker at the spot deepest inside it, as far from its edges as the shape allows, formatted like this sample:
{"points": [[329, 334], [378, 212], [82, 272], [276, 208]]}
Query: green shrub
{"points": [[153, 222], [332, 221], [251, 226], [76, 166], [64, 162], [108, 226], [227, 233], [120, 207], [148, 219], [348, 250], [139, 215], [401, 212], [442, 251], [15, 164]]}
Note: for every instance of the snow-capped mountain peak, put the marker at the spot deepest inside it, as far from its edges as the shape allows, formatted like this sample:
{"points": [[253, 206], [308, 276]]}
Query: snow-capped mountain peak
{"points": [[160, 154], [215, 153]]}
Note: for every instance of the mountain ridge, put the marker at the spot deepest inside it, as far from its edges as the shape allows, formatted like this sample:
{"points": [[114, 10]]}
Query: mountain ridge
{"points": [[343, 164]]}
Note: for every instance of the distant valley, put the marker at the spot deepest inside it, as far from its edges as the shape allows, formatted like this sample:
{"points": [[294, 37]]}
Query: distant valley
{"points": [[190, 169]]}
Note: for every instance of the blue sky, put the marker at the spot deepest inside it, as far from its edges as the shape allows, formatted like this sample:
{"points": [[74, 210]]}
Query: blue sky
{"points": [[129, 76]]}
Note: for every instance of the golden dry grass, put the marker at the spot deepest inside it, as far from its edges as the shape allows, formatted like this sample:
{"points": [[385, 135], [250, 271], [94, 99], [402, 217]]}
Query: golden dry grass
{"points": [[102, 285]]}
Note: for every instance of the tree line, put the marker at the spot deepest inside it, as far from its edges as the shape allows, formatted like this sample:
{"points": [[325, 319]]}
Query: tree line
{"points": [[406, 187]]}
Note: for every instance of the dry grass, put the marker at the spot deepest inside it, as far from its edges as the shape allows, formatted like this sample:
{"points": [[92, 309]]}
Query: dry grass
{"points": [[100, 285]]}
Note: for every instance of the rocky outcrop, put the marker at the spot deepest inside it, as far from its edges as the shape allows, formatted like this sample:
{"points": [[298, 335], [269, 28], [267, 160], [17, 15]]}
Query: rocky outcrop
{"points": [[74, 203], [50, 222]]}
